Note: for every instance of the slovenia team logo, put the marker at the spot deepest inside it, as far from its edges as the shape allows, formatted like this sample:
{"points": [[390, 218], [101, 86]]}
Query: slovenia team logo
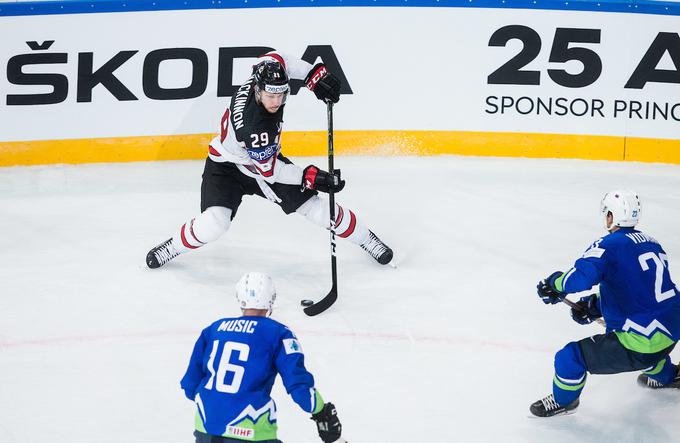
{"points": [[292, 346]]}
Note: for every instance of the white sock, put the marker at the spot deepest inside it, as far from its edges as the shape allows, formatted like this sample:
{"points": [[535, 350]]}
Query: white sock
{"points": [[317, 210], [206, 227]]}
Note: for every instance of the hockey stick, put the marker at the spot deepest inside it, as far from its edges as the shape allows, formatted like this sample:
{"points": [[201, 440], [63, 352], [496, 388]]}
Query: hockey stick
{"points": [[326, 302], [573, 305]]}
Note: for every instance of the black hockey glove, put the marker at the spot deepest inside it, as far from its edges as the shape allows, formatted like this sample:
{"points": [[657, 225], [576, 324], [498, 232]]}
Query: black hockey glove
{"points": [[588, 310], [328, 423], [547, 291], [317, 179], [325, 85]]}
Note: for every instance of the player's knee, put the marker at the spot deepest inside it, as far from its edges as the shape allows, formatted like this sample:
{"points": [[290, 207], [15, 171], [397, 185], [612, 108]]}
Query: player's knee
{"points": [[221, 216], [212, 223], [315, 211], [308, 206], [569, 360]]}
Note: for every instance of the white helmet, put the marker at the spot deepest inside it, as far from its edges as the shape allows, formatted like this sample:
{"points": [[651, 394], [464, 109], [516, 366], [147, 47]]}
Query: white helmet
{"points": [[624, 206], [255, 291]]}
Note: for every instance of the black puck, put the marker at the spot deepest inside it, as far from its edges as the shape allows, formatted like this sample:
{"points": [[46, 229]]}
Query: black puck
{"points": [[306, 302]]}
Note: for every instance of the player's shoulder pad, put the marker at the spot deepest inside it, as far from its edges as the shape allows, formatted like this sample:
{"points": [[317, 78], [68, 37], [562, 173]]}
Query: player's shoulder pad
{"points": [[273, 56], [636, 237], [284, 330], [285, 336], [273, 327], [609, 242], [615, 239], [273, 323], [596, 249], [289, 342], [214, 326]]}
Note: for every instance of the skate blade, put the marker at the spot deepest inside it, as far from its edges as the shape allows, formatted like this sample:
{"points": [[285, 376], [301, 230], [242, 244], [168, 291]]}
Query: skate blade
{"points": [[396, 261], [561, 414]]}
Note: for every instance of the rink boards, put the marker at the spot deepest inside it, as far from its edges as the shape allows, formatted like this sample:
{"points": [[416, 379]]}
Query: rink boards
{"points": [[426, 79]]}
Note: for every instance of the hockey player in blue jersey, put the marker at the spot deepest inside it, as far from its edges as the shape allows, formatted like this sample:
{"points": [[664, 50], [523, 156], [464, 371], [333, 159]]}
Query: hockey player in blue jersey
{"points": [[233, 367], [638, 301]]}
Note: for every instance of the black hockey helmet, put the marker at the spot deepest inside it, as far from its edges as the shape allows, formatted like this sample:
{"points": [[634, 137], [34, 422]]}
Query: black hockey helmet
{"points": [[271, 76]]}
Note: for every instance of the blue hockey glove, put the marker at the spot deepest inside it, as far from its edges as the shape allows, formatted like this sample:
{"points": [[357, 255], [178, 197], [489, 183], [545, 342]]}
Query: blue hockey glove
{"points": [[588, 310], [547, 290]]}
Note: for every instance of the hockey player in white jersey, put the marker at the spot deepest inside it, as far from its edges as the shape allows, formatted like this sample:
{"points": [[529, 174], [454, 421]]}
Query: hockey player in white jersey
{"points": [[233, 367], [245, 159]]}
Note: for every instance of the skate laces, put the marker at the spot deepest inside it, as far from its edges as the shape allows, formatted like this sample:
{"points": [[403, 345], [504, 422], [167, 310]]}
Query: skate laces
{"points": [[653, 383], [374, 246], [165, 252], [549, 403]]}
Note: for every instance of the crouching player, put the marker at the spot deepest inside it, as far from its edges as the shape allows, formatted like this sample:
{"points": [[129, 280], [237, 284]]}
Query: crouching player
{"points": [[638, 301]]}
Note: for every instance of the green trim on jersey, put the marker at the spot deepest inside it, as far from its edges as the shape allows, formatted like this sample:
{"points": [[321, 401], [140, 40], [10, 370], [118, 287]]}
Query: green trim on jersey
{"points": [[263, 428], [198, 423], [639, 343], [319, 402], [558, 282], [568, 387], [658, 368]]}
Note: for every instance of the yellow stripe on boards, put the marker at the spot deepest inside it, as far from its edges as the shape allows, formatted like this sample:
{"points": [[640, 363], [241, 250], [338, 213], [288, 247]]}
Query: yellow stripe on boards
{"points": [[375, 143], [653, 150], [97, 150]]}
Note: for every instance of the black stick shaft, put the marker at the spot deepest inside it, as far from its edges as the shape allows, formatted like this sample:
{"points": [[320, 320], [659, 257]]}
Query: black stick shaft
{"points": [[331, 195], [326, 302]]}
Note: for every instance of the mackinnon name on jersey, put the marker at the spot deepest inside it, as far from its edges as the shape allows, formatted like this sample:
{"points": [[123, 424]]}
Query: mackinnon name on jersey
{"points": [[245, 326], [240, 103]]}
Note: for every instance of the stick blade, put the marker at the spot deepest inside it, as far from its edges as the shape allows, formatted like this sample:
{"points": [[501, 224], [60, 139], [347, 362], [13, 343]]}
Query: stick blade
{"points": [[323, 304]]}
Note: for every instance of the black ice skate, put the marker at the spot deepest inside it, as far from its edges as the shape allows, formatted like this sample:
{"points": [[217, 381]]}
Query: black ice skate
{"points": [[378, 250], [647, 382], [548, 407], [161, 254]]}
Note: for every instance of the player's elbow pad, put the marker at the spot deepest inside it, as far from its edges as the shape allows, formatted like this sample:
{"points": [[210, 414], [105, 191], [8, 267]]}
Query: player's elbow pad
{"points": [[307, 398]]}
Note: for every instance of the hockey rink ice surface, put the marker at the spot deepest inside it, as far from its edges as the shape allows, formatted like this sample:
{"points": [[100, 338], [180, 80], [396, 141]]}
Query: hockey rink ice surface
{"points": [[452, 346]]}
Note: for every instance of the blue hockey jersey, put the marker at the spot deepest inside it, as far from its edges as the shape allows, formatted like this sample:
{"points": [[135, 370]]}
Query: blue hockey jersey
{"points": [[232, 371], [638, 299]]}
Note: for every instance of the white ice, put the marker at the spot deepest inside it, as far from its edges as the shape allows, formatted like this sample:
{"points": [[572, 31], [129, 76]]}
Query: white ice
{"points": [[452, 346]]}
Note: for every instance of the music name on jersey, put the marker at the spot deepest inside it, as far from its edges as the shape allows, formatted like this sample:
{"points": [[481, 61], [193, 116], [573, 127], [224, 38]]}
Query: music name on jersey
{"points": [[245, 326]]}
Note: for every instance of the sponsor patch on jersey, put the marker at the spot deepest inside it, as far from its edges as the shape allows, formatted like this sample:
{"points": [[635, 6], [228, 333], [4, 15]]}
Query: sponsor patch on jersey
{"points": [[240, 432], [263, 154], [292, 346]]}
